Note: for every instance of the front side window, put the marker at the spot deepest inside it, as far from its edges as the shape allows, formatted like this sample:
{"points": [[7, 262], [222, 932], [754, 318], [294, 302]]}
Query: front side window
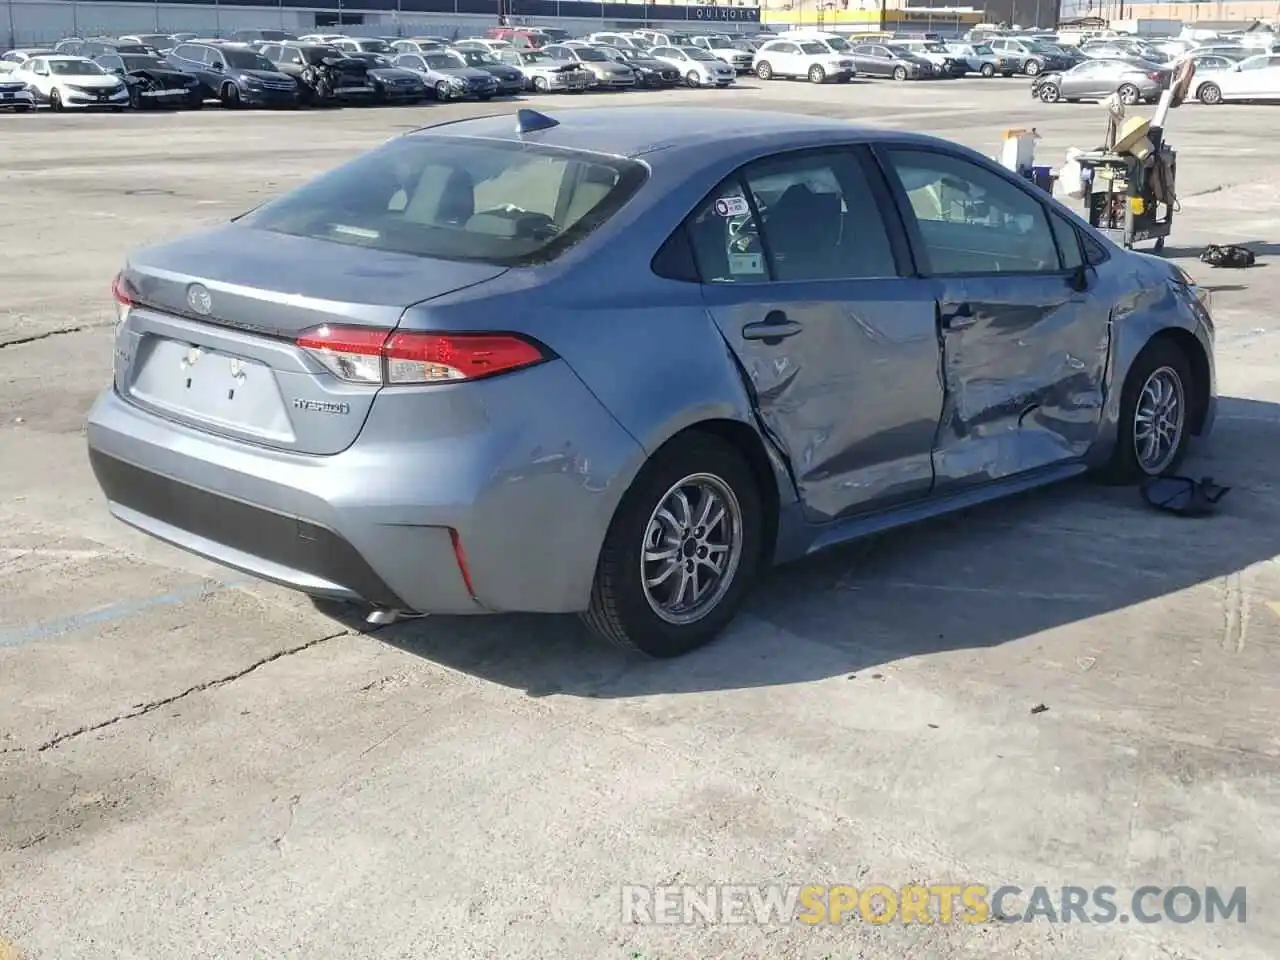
{"points": [[456, 198], [813, 49], [971, 220], [444, 61], [246, 60]]}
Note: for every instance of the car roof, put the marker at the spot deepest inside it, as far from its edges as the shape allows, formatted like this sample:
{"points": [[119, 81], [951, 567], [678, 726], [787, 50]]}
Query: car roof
{"points": [[636, 131], [65, 56]]}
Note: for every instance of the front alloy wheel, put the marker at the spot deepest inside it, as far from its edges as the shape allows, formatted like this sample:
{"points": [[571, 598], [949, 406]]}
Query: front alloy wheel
{"points": [[817, 74], [1159, 420], [1049, 93], [1032, 68], [681, 551], [1155, 415]]}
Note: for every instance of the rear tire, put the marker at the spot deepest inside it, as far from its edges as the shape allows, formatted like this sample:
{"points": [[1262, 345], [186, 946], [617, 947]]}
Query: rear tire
{"points": [[1129, 94], [1159, 360], [623, 609]]}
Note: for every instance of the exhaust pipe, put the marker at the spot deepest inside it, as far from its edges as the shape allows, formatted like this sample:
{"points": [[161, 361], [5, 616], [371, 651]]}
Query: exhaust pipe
{"points": [[382, 617]]}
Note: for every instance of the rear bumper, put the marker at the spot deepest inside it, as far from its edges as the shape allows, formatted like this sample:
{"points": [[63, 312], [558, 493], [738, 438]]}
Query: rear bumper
{"points": [[525, 471]]}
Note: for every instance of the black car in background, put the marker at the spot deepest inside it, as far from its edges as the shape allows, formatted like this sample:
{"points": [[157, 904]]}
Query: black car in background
{"points": [[324, 74], [510, 80], [152, 82], [235, 75], [649, 72], [391, 84]]}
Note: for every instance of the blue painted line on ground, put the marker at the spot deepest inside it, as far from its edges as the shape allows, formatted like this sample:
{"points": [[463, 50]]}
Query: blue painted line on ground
{"points": [[117, 611]]}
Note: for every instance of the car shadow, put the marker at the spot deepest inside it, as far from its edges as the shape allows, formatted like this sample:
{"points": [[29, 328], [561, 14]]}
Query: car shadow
{"points": [[969, 581]]}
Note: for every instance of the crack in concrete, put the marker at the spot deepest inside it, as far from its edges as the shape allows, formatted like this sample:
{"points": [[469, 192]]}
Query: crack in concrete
{"points": [[198, 688], [60, 332]]}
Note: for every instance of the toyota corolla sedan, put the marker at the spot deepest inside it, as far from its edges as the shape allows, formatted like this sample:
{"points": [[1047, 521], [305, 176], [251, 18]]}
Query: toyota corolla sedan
{"points": [[619, 361]]}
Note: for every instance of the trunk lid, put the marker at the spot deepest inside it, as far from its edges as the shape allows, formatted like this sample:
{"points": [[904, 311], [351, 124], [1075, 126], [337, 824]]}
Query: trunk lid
{"points": [[210, 339]]}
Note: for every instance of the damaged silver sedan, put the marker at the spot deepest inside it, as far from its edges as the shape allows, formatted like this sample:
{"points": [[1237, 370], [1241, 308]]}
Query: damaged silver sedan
{"points": [[753, 336]]}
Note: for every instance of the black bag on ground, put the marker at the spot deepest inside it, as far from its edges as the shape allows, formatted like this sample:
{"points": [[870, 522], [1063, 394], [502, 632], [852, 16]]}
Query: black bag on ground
{"points": [[1183, 496], [1228, 255]]}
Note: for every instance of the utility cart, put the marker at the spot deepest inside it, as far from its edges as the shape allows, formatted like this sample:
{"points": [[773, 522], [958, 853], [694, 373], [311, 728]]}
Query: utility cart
{"points": [[1128, 197]]}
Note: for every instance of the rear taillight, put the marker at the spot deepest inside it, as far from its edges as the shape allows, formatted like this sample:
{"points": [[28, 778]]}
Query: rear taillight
{"points": [[358, 355], [123, 297], [1154, 76]]}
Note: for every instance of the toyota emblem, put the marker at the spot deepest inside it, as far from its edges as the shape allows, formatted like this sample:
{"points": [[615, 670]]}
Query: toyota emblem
{"points": [[199, 299]]}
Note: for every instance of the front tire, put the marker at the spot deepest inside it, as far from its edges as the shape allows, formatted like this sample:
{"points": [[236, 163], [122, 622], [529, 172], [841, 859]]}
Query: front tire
{"points": [[442, 92], [1049, 93], [1032, 68], [988, 70], [55, 100], [681, 552], [817, 74], [899, 73], [692, 79], [764, 71], [1210, 94], [1154, 415], [541, 85], [230, 96]]}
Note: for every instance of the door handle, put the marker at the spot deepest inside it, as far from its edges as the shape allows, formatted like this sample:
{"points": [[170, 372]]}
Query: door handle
{"points": [[773, 329], [959, 318]]}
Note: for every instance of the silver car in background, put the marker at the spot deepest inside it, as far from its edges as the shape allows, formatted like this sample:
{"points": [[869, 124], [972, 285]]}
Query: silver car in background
{"points": [[608, 73], [1099, 79], [547, 74]]}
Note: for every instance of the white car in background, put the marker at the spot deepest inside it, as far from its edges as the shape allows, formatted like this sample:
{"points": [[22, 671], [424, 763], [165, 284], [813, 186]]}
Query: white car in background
{"points": [[698, 67], [981, 59], [72, 83], [490, 46], [735, 55], [801, 58], [11, 60], [15, 95], [1257, 78]]}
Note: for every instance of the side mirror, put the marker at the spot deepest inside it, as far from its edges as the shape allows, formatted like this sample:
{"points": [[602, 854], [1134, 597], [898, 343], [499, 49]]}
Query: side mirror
{"points": [[118, 71], [217, 66], [1079, 279]]}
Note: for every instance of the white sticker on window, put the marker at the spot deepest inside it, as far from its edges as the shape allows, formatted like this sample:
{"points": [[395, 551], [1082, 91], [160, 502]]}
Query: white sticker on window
{"points": [[746, 263], [732, 207]]}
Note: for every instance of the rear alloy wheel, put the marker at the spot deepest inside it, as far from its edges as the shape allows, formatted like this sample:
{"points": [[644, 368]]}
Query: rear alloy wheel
{"points": [[817, 74], [764, 71], [899, 73], [692, 79], [988, 70], [1210, 94], [1032, 68], [1154, 415], [681, 552], [1129, 94], [1049, 93]]}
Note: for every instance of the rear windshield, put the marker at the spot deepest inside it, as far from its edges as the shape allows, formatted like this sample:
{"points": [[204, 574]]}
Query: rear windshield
{"points": [[457, 198]]}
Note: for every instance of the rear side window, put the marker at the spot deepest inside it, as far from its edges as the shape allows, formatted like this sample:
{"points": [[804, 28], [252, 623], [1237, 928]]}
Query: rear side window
{"points": [[455, 198], [808, 216]]}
